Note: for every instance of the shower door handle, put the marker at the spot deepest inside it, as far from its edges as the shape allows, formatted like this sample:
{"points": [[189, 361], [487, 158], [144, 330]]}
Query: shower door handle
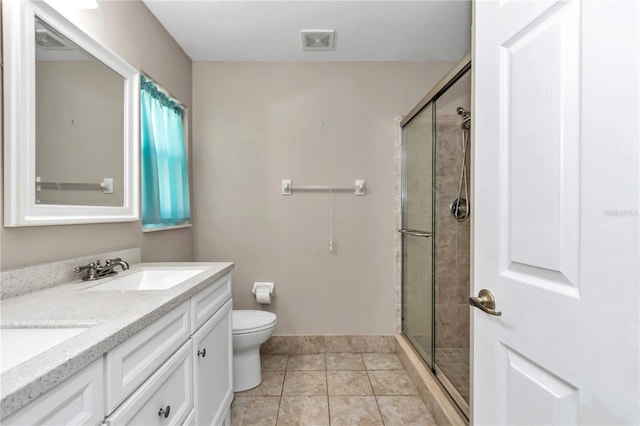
{"points": [[485, 302], [415, 233]]}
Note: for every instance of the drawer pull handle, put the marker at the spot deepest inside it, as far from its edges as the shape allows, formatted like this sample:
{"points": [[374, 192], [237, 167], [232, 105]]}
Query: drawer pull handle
{"points": [[164, 412], [203, 352]]}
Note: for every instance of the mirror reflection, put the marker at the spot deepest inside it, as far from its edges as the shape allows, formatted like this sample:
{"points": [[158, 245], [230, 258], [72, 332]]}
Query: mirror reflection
{"points": [[80, 124]]}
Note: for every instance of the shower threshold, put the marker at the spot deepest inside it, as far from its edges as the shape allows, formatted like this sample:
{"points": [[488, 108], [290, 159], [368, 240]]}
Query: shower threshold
{"points": [[452, 391]]}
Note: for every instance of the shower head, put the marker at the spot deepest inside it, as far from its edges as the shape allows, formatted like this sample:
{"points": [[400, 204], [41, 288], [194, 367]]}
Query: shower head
{"points": [[466, 117]]}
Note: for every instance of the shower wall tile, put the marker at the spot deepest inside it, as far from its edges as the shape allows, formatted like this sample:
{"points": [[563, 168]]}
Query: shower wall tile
{"points": [[452, 256], [397, 149]]}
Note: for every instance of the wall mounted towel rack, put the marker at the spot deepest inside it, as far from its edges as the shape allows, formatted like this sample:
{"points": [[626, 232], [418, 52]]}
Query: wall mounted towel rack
{"points": [[106, 185], [358, 188]]}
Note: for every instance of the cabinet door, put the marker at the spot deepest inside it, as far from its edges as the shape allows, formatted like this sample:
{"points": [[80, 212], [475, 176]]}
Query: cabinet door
{"points": [[164, 399], [77, 401], [213, 352], [191, 419]]}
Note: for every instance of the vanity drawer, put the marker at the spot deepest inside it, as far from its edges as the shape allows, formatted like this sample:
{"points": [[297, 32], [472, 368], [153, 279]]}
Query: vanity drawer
{"points": [[134, 360], [208, 301], [169, 389], [77, 401]]}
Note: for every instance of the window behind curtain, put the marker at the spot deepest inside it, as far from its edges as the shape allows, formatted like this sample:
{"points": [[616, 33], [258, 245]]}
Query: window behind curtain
{"points": [[165, 181]]}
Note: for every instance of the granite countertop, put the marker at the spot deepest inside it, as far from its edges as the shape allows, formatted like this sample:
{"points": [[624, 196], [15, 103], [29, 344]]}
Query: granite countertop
{"points": [[109, 316]]}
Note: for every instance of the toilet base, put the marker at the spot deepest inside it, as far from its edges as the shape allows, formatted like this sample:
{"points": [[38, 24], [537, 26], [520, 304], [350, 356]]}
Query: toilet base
{"points": [[247, 372]]}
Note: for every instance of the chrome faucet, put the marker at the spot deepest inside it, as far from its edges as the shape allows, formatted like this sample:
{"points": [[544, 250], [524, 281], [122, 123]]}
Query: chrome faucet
{"points": [[112, 263], [95, 271]]}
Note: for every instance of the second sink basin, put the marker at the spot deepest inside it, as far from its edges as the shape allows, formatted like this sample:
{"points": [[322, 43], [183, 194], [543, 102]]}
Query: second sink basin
{"points": [[148, 279], [21, 344]]}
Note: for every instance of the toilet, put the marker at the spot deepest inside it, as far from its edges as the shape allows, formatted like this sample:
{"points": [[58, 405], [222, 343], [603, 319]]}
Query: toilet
{"points": [[250, 330]]}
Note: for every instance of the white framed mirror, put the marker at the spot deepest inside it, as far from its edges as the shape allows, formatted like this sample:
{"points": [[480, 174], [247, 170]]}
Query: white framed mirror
{"points": [[71, 123]]}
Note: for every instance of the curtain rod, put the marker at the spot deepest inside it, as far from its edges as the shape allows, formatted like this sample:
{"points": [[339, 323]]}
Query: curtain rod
{"points": [[162, 89]]}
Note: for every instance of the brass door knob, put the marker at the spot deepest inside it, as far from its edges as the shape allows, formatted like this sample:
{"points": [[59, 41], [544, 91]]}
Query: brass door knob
{"points": [[485, 302]]}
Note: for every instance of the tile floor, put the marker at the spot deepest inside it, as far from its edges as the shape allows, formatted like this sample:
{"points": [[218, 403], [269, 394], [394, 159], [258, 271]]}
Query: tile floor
{"points": [[347, 389]]}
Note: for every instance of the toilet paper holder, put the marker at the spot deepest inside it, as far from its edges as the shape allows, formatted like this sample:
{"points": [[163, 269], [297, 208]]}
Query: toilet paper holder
{"points": [[264, 286]]}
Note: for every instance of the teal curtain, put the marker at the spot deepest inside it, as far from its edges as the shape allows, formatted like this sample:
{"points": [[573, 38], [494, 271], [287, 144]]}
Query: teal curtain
{"points": [[165, 181]]}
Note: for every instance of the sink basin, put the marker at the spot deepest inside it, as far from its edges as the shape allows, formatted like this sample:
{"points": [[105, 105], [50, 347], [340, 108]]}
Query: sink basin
{"points": [[148, 279], [18, 345]]}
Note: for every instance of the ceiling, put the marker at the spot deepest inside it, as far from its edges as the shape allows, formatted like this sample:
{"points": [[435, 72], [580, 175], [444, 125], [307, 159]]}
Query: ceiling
{"points": [[268, 30]]}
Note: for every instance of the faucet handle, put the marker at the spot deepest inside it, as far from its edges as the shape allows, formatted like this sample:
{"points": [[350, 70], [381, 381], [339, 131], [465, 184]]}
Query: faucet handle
{"points": [[91, 269], [84, 268], [110, 261]]}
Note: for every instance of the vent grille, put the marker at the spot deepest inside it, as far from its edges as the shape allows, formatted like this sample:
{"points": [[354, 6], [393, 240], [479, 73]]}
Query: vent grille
{"points": [[47, 41], [47, 38], [318, 39]]}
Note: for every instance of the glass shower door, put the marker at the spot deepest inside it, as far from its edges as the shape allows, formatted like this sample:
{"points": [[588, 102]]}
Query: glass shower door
{"points": [[417, 233]]}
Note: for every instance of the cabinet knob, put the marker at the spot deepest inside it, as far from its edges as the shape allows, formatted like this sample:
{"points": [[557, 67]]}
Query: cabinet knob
{"points": [[164, 411], [203, 352]]}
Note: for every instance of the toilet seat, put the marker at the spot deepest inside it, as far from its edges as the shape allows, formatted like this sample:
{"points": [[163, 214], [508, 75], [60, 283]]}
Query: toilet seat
{"points": [[248, 321]]}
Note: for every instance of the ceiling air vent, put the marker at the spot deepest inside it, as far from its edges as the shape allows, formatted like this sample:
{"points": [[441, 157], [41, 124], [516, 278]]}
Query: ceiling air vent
{"points": [[48, 39], [317, 39]]}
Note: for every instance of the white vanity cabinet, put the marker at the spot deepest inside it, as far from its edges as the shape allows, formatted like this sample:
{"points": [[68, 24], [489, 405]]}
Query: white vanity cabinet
{"points": [[78, 401], [177, 370], [194, 386]]}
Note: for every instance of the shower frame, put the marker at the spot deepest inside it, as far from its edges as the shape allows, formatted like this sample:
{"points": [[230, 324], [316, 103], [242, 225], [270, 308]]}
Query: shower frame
{"points": [[445, 83], [455, 74]]}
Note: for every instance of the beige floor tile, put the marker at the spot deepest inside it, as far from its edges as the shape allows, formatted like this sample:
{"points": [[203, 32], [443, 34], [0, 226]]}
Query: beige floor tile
{"points": [[354, 411], [348, 383], [308, 383], [344, 362], [271, 385], [404, 410], [306, 362], [394, 382], [274, 362], [303, 411], [379, 361], [254, 410]]}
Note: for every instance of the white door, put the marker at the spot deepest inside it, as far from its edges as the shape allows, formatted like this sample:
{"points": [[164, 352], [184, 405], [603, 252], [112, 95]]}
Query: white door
{"points": [[556, 212]]}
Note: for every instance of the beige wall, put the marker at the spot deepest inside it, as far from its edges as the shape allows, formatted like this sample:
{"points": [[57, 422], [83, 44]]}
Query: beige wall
{"points": [[129, 29], [315, 123]]}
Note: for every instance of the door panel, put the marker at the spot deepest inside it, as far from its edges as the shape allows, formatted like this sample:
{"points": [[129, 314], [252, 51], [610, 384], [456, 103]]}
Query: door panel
{"points": [[418, 171], [540, 124], [556, 164], [532, 395], [418, 294], [417, 247]]}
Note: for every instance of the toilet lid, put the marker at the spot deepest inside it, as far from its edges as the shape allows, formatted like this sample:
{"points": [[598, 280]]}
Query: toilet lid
{"points": [[246, 321]]}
